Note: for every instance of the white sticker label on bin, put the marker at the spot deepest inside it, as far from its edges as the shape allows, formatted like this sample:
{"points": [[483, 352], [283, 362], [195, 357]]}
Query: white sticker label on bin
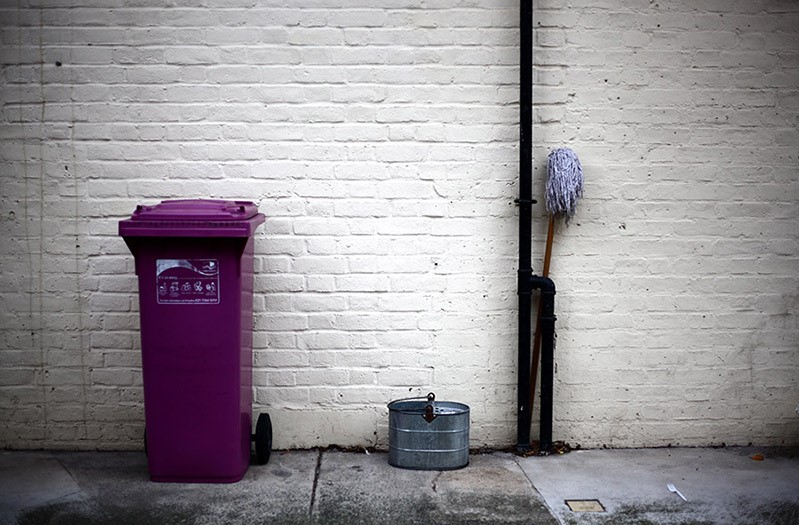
{"points": [[187, 281]]}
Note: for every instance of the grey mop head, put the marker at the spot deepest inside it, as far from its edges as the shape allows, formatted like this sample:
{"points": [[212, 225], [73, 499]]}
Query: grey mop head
{"points": [[564, 182]]}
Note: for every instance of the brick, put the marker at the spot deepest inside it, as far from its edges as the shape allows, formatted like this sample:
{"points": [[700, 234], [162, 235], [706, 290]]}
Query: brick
{"points": [[16, 376], [113, 377]]}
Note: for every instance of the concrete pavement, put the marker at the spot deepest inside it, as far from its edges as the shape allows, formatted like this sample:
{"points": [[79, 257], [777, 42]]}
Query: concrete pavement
{"points": [[723, 486], [302, 487]]}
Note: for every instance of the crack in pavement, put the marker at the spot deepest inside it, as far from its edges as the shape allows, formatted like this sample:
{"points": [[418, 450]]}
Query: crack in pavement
{"points": [[315, 484]]}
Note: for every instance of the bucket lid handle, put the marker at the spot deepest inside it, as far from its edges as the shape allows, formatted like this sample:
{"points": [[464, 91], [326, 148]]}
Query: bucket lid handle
{"points": [[429, 411]]}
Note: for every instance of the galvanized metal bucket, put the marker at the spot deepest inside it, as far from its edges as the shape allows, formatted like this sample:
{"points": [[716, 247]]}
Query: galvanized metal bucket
{"points": [[425, 434]]}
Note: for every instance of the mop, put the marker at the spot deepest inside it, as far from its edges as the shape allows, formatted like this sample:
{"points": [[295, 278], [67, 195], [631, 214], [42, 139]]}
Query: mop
{"points": [[564, 183], [564, 187]]}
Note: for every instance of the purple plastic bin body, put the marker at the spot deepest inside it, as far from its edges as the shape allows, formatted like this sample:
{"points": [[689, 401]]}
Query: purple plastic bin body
{"points": [[194, 261]]}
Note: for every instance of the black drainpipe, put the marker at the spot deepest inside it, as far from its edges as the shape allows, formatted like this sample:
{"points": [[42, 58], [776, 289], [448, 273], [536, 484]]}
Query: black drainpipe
{"points": [[527, 281], [525, 221], [547, 326]]}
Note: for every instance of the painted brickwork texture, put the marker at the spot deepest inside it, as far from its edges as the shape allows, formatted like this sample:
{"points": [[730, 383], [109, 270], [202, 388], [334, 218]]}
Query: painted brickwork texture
{"points": [[380, 139]]}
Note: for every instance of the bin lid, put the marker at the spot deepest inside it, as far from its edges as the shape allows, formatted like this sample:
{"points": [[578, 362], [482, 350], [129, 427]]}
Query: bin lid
{"points": [[196, 210], [193, 218]]}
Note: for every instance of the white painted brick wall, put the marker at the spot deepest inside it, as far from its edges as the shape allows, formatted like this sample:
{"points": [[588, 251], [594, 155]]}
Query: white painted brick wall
{"points": [[380, 139]]}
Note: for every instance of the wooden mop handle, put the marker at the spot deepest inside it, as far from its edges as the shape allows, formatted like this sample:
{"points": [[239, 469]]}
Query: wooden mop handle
{"points": [[548, 251]]}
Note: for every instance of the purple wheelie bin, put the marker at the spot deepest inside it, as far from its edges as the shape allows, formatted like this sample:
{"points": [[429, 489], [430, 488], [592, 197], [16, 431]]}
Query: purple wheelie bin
{"points": [[194, 261]]}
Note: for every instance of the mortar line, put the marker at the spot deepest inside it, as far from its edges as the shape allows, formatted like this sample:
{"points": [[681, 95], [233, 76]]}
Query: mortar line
{"points": [[78, 289], [42, 351], [26, 200]]}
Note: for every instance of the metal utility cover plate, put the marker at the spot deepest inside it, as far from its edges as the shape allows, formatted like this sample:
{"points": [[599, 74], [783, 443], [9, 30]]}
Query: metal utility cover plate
{"points": [[585, 505]]}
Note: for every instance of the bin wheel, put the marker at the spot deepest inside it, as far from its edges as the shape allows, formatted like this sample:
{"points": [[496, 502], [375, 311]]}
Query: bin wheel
{"points": [[263, 439]]}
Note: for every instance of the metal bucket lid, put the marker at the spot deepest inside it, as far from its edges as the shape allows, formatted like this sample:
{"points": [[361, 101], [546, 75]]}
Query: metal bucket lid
{"points": [[418, 406]]}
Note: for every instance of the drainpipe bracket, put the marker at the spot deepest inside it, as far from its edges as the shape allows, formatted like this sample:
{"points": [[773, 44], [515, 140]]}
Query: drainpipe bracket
{"points": [[525, 286]]}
